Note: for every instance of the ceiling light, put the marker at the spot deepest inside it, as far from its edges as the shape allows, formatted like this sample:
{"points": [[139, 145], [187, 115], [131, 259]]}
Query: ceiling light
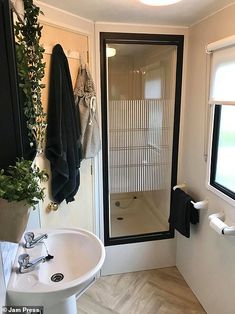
{"points": [[159, 2], [110, 52]]}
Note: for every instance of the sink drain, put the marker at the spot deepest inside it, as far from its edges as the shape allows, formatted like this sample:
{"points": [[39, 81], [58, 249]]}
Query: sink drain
{"points": [[57, 277]]}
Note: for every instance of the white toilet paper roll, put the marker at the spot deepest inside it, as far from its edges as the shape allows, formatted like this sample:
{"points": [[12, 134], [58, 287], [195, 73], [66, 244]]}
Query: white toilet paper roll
{"points": [[218, 225]]}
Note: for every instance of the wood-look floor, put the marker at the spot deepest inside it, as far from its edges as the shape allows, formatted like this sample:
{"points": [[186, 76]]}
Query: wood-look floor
{"points": [[159, 291]]}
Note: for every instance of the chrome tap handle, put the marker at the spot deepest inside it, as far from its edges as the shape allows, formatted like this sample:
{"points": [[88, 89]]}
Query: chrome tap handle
{"points": [[31, 241], [26, 265], [29, 237], [23, 260]]}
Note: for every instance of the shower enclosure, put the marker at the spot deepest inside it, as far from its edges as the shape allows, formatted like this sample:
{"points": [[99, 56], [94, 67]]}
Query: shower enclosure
{"points": [[141, 82]]}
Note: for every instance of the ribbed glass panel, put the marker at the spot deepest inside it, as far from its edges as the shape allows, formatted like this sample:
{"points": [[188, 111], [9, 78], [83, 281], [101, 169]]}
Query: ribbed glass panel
{"points": [[140, 141]]}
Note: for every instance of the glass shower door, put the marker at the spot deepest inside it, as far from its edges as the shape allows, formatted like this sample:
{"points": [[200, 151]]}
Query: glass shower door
{"points": [[140, 135], [140, 142]]}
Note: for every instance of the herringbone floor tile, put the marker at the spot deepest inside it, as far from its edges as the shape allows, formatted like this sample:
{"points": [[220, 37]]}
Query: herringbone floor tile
{"points": [[159, 291]]}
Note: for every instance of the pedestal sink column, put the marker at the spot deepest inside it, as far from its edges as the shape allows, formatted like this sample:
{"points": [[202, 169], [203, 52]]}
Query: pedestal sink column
{"points": [[67, 306]]}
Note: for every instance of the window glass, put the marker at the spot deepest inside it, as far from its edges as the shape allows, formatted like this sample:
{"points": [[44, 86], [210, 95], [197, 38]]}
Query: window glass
{"points": [[222, 97], [223, 158]]}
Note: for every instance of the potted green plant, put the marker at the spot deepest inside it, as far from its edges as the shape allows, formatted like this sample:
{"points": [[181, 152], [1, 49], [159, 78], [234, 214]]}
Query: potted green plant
{"points": [[20, 190]]}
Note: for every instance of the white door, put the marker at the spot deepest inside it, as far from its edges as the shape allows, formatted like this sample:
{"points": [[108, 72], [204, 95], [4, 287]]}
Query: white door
{"points": [[78, 213]]}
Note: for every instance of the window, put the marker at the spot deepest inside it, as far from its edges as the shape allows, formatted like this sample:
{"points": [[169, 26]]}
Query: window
{"points": [[222, 97], [223, 150]]}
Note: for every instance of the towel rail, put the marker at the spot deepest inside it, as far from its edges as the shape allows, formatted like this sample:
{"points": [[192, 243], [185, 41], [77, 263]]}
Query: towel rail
{"points": [[180, 186], [198, 205], [217, 223]]}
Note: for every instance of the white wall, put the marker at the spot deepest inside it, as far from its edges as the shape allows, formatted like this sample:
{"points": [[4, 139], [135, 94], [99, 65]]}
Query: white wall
{"points": [[206, 260]]}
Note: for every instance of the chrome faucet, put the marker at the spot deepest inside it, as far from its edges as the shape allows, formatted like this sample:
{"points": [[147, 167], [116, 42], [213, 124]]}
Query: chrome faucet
{"points": [[30, 241], [26, 265]]}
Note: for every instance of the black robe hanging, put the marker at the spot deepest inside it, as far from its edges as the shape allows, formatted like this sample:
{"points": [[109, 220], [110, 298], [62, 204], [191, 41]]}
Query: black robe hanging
{"points": [[63, 147]]}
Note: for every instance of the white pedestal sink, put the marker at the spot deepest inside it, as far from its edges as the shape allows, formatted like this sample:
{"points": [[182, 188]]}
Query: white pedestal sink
{"points": [[78, 256]]}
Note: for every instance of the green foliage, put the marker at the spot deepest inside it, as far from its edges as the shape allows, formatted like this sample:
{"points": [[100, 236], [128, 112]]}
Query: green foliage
{"points": [[22, 182], [31, 69]]}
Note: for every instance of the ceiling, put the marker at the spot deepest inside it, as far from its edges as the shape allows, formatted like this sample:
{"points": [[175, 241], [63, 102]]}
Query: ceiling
{"points": [[184, 13]]}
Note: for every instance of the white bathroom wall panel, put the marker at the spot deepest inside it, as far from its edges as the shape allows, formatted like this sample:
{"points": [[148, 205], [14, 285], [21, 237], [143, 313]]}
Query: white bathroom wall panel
{"points": [[34, 221], [206, 260], [139, 256], [159, 203]]}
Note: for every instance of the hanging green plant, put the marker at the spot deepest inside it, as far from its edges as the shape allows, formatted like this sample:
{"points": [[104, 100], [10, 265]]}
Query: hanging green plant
{"points": [[31, 70]]}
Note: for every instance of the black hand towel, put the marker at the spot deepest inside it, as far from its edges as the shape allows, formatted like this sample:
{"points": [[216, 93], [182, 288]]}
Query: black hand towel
{"points": [[63, 147], [182, 212]]}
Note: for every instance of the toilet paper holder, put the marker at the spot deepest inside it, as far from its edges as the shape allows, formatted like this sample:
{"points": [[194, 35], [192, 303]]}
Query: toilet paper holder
{"points": [[217, 223]]}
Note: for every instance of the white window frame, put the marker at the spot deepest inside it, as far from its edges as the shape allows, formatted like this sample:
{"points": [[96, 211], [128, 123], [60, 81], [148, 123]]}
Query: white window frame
{"points": [[229, 41]]}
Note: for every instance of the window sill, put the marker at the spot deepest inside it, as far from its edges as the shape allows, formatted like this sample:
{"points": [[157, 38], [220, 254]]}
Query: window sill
{"points": [[221, 194]]}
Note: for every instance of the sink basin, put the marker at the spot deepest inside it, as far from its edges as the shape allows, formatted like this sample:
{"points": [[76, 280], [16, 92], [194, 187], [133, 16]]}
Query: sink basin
{"points": [[78, 256]]}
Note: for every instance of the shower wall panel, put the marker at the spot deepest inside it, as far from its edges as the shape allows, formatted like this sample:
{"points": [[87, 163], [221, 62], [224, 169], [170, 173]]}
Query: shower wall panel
{"points": [[140, 140], [158, 202]]}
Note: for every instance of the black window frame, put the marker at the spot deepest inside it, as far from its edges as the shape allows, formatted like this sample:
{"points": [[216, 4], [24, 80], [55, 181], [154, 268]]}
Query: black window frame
{"points": [[214, 153]]}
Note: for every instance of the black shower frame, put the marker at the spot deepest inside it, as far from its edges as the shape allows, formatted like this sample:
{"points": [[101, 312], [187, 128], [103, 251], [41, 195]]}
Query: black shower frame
{"points": [[149, 39]]}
